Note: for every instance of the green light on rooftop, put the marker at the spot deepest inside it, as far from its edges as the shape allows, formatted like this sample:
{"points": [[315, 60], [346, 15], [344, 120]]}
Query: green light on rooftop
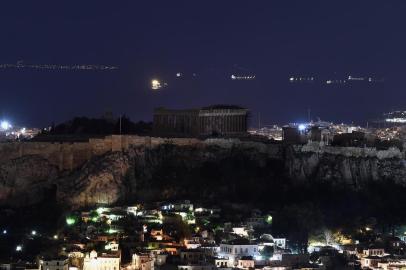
{"points": [[111, 231], [269, 219], [70, 221]]}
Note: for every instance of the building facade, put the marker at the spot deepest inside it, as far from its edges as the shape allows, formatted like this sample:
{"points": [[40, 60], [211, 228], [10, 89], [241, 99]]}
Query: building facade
{"points": [[104, 261], [173, 123], [61, 263], [217, 120], [142, 261], [235, 250]]}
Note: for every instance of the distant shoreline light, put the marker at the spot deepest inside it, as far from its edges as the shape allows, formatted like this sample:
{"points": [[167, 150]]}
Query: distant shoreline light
{"points": [[396, 120], [243, 77], [21, 65]]}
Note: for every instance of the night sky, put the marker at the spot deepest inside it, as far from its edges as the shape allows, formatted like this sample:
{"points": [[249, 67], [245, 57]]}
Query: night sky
{"points": [[212, 38]]}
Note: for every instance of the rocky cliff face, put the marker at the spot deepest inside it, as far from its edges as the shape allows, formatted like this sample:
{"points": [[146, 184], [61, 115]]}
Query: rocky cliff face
{"points": [[344, 167], [158, 173], [26, 180], [211, 172], [100, 181]]}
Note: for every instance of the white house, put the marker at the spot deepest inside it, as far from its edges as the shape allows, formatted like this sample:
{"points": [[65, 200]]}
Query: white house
{"points": [[160, 259], [241, 231], [104, 261], [392, 264], [142, 261], [236, 249], [373, 252], [246, 263], [222, 263], [280, 242], [59, 263], [192, 243], [370, 262]]}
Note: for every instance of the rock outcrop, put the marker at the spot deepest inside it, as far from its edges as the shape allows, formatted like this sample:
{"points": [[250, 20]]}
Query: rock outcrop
{"points": [[215, 170], [100, 181], [26, 180], [344, 165]]}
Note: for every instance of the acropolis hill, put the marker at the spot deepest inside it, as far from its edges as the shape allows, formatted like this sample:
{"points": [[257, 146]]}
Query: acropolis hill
{"points": [[120, 168]]}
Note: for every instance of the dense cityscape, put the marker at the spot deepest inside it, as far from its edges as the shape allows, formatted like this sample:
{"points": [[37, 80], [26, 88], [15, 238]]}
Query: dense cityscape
{"points": [[203, 135], [183, 234]]}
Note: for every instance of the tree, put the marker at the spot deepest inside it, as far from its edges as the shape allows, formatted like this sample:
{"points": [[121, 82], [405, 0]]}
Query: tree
{"points": [[297, 221]]}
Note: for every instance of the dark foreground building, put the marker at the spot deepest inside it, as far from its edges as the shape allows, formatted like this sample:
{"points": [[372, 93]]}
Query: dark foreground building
{"points": [[217, 120]]}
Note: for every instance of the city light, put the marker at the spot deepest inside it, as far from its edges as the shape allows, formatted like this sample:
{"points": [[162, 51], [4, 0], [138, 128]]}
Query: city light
{"points": [[5, 125], [396, 120], [111, 231], [4, 231], [258, 257], [33, 232], [101, 210], [243, 77], [301, 79], [302, 127], [269, 219], [56, 237], [20, 65], [351, 78], [155, 84], [70, 221], [19, 248]]}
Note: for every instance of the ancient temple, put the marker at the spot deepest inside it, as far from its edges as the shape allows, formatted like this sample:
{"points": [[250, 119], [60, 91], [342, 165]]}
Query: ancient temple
{"points": [[216, 120]]}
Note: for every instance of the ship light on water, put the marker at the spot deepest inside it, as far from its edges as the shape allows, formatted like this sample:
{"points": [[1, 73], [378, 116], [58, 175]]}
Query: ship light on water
{"points": [[155, 84]]}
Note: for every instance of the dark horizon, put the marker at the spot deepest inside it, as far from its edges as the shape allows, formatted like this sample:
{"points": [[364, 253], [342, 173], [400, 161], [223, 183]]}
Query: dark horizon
{"points": [[213, 40]]}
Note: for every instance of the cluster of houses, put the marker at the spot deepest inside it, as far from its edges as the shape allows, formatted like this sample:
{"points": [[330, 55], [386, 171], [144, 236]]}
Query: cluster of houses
{"points": [[180, 236]]}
